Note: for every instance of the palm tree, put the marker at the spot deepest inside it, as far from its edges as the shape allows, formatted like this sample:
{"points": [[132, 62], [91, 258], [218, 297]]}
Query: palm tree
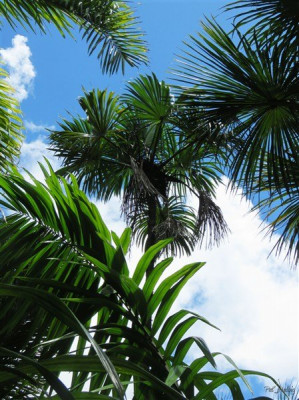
{"points": [[69, 303], [250, 87], [135, 147]]}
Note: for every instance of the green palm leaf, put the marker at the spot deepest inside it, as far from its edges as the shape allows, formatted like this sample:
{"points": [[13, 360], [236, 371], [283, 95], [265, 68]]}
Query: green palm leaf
{"points": [[10, 125], [250, 90], [268, 19], [56, 219], [108, 26], [55, 383]]}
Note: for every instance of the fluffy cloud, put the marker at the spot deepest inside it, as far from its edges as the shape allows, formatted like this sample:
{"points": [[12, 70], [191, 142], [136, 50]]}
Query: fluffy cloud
{"points": [[34, 152], [19, 65], [34, 128]]}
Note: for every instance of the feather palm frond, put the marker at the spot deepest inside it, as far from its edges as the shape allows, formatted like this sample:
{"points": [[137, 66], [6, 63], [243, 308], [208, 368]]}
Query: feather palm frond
{"points": [[10, 125]]}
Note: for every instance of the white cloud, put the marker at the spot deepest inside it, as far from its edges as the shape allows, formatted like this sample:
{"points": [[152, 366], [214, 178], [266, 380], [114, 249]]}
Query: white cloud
{"points": [[34, 128], [34, 152], [20, 68]]}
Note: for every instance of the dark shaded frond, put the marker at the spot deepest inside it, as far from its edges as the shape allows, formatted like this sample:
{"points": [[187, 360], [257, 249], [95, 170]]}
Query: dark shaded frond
{"points": [[146, 186], [276, 20], [211, 224]]}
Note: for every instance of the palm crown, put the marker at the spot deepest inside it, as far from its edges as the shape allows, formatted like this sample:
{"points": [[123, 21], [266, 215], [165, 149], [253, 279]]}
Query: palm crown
{"points": [[136, 147]]}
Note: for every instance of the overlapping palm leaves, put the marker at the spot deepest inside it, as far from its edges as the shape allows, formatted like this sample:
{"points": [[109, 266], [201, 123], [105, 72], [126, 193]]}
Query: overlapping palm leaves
{"points": [[109, 27], [136, 147], [251, 88], [10, 125], [275, 20], [43, 241], [64, 277]]}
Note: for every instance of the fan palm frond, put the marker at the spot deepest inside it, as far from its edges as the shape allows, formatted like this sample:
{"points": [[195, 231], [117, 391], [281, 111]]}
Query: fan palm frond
{"points": [[268, 19], [149, 97], [211, 224], [251, 90]]}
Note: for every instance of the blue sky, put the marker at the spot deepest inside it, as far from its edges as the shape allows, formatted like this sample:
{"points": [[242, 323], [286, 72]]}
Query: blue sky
{"points": [[253, 298]]}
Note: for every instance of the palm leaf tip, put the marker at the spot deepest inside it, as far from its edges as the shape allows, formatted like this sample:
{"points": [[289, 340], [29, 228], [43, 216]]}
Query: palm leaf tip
{"points": [[114, 29], [109, 27]]}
